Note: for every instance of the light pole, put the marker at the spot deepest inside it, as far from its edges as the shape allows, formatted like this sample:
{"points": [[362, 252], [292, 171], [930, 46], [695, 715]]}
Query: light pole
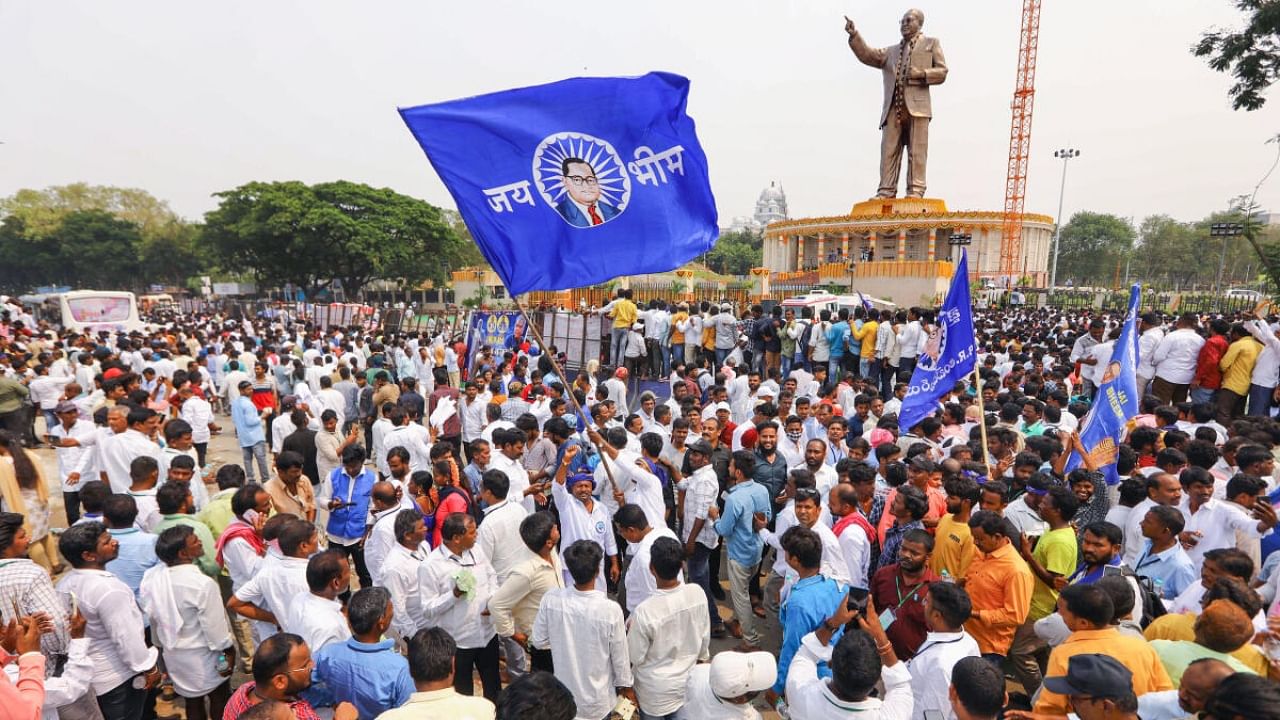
{"points": [[1065, 154], [1224, 231], [958, 240]]}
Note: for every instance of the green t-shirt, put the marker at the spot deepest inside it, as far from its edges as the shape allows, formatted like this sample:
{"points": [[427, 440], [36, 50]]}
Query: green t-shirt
{"points": [[1056, 552], [1176, 655]]}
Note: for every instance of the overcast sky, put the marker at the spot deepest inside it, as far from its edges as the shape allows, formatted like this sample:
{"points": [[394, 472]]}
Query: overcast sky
{"points": [[186, 99]]}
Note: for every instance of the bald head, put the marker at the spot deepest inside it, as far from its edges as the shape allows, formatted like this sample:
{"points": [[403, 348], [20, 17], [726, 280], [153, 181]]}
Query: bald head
{"points": [[1199, 681], [384, 495]]}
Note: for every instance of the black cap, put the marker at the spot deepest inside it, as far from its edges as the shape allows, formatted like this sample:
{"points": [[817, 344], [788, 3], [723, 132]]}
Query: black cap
{"points": [[699, 446], [1093, 675]]}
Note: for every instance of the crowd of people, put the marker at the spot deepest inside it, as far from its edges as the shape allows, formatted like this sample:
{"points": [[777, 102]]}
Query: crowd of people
{"points": [[414, 536]]}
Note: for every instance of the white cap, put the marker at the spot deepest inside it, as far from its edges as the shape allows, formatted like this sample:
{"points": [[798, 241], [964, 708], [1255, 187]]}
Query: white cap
{"points": [[637, 326], [734, 674], [723, 406]]}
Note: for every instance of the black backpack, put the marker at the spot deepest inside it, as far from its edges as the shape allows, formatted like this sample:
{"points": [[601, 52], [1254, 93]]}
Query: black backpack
{"points": [[1152, 604]]}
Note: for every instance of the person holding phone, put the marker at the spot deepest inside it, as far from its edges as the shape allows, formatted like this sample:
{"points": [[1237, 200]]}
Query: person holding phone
{"points": [[859, 661], [351, 486]]}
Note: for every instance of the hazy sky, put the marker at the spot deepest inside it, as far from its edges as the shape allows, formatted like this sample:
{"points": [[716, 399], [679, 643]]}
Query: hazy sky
{"points": [[186, 99]]}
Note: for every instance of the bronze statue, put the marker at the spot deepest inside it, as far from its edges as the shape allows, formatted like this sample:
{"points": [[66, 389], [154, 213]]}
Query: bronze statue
{"points": [[904, 120]]}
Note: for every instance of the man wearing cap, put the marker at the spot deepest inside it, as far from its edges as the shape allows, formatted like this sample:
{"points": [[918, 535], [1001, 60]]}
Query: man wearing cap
{"points": [[700, 487], [581, 516], [724, 688], [73, 438], [1098, 686], [250, 430]]}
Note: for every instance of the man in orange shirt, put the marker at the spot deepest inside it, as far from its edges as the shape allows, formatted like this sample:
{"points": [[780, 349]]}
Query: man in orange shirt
{"points": [[999, 585], [1087, 611]]}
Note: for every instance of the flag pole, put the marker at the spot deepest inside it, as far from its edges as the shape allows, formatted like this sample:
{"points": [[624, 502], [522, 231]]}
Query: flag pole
{"points": [[573, 399], [982, 416]]}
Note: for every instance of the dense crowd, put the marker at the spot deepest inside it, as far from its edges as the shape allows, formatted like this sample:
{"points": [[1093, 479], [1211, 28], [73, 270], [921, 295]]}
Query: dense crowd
{"points": [[413, 534]]}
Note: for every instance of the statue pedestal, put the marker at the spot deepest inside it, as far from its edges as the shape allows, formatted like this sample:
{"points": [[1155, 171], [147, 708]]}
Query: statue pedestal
{"points": [[879, 207]]}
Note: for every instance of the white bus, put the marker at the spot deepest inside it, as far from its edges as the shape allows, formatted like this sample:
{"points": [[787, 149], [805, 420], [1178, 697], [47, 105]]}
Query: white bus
{"points": [[91, 311]]}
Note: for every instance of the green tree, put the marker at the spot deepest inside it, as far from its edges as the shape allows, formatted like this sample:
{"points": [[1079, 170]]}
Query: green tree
{"points": [[735, 253], [1251, 54], [100, 249], [1092, 246], [312, 235], [42, 210]]}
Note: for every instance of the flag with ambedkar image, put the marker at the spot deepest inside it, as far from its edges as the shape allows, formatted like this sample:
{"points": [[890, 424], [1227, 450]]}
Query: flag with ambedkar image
{"points": [[1116, 402], [576, 182], [949, 355]]}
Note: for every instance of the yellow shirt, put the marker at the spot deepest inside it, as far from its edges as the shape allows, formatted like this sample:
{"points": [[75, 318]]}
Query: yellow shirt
{"points": [[999, 586], [1182, 626], [954, 550], [623, 314], [677, 337], [1056, 552], [1237, 365], [867, 334], [1134, 653]]}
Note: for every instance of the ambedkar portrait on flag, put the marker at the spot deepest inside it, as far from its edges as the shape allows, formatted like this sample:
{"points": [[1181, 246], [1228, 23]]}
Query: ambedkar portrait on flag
{"points": [[582, 178]]}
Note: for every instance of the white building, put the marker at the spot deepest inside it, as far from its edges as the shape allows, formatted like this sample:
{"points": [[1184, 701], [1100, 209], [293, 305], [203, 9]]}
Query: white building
{"points": [[770, 207]]}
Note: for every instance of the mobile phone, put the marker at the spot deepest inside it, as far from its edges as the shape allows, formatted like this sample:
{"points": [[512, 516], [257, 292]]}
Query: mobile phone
{"points": [[251, 516], [223, 664], [70, 603], [857, 600], [933, 715], [1111, 570]]}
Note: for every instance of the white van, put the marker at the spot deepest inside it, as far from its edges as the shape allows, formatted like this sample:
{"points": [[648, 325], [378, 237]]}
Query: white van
{"points": [[91, 311], [819, 300]]}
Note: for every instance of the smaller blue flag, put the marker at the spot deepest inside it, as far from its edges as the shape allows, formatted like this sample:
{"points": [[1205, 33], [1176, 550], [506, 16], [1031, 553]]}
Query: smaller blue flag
{"points": [[866, 304], [1116, 402], [949, 354], [576, 182]]}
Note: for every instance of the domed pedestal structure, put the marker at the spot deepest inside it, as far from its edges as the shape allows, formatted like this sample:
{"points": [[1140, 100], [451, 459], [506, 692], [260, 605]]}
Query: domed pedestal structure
{"points": [[896, 249]]}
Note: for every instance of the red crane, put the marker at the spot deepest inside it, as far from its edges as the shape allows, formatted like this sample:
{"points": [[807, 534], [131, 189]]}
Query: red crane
{"points": [[1024, 96]]}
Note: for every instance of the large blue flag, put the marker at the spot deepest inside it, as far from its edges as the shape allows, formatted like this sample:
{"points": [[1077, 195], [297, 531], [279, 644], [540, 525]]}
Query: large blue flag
{"points": [[576, 182], [1116, 402], [949, 354]]}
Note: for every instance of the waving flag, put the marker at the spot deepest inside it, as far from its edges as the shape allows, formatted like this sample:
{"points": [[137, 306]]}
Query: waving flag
{"points": [[576, 182], [1116, 402], [949, 354]]}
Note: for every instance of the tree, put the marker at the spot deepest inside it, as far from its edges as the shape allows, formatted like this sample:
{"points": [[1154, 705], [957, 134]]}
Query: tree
{"points": [[100, 248], [735, 253], [1092, 246], [1251, 55], [42, 210], [1172, 253], [288, 232]]}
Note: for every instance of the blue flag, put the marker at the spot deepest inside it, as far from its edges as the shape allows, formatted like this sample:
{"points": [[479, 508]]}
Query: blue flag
{"points": [[949, 354], [576, 182], [1116, 402]]}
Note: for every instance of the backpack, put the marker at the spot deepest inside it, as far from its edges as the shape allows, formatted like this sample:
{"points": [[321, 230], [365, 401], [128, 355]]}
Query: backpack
{"points": [[802, 342], [1152, 604]]}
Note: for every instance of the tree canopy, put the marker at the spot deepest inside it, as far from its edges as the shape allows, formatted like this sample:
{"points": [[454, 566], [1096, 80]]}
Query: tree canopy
{"points": [[735, 253], [290, 232], [1092, 246], [1251, 54]]}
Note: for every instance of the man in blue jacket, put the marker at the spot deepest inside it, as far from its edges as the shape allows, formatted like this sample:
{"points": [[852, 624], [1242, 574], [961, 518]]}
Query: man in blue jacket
{"points": [[348, 490], [837, 338]]}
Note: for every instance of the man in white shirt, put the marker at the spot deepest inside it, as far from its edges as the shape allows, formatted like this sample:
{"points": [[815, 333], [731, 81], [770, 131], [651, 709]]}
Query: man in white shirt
{"points": [[499, 534], [848, 692], [316, 616], [724, 688], [631, 477], [124, 667], [385, 503], [400, 573], [669, 633], [509, 444], [268, 596], [1148, 341], [582, 517], [457, 581], [633, 526], [74, 439], [1175, 359], [585, 633], [946, 608], [117, 452], [1213, 523]]}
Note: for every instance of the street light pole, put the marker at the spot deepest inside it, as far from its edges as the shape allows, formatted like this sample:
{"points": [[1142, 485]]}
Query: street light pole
{"points": [[1226, 231], [1065, 154]]}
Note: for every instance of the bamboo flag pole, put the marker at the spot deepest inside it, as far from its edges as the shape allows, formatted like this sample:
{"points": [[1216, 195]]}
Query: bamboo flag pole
{"points": [[573, 399], [982, 418]]}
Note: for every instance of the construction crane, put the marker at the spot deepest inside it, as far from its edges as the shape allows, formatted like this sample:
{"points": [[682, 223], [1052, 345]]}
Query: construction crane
{"points": [[1024, 97]]}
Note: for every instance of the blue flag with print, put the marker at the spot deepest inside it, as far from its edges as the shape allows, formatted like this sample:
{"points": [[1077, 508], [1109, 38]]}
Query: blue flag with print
{"points": [[949, 354], [1116, 402], [576, 182]]}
